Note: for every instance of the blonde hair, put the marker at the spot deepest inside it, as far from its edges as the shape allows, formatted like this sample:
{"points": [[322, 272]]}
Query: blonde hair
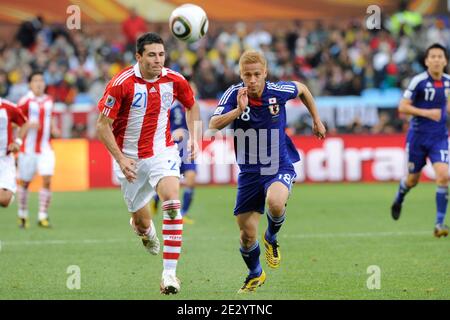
{"points": [[252, 56]]}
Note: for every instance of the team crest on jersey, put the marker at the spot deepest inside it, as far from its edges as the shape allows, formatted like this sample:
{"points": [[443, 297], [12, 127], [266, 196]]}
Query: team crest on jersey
{"points": [[166, 100], [274, 108], [110, 100]]}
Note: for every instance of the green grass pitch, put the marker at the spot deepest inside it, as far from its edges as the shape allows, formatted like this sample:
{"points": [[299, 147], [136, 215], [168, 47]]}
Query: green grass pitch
{"points": [[332, 234]]}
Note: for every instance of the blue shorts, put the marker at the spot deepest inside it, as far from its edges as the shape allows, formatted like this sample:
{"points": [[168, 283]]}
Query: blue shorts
{"points": [[252, 189], [187, 167], [421, 146]]}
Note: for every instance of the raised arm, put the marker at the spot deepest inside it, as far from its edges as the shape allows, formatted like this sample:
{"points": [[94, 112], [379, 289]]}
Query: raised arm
{"points": [[221, 121]]}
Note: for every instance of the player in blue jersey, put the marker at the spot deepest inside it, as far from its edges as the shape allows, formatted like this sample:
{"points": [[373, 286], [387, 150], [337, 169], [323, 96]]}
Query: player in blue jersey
{"points": [[426, 100], [188, 168], [265, 156]]}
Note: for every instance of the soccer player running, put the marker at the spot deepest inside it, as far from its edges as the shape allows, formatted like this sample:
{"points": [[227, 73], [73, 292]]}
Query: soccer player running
{"points": [[36, 153], [426, 100], [134, 127], [10, 116], [188, 167], [258, 106]]}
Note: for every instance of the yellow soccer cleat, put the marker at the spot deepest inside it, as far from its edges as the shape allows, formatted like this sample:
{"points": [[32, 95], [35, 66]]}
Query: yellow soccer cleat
{"points": [[251, 284], [23, 223], [273, 254], [187, 220], [44, 223], [440, 231], [153, 207]]}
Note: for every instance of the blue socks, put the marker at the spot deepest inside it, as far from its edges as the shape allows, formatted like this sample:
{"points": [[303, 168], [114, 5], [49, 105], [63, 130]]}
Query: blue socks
{"points": [[187, 199], [156, 198], [402, 191], [274, 225], [441, 204], [251, 258]]}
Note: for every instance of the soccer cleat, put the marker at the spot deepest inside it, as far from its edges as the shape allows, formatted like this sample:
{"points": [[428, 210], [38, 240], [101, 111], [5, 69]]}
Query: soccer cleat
{"points": [[44, 223], [153, 207], [251, 284], [170, 284], [396, 209], [152, 245], [23, 223], [273, 254], [187, 220], [440, 230]]}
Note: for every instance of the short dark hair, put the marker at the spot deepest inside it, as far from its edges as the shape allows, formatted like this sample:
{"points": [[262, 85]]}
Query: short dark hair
{"points": [[437, 46], [35, 73], [145, 39]]}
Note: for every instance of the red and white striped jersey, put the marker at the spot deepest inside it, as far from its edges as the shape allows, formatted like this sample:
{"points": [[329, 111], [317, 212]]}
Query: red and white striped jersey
{"points": [[141, 108], [9, 114], [37, 110]]}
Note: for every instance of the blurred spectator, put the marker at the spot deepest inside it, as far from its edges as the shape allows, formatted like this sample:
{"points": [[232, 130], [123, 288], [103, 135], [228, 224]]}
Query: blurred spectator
{"points": [[4, 84], [340, 58], [28, 30], [133, 27]]}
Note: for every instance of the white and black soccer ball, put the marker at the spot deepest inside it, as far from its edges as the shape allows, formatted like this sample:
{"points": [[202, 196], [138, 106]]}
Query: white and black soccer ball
{"points": [[188, 22]]}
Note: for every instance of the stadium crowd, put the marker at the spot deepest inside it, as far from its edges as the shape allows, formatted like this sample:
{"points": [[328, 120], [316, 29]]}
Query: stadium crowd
{"points": [[333, 59]]}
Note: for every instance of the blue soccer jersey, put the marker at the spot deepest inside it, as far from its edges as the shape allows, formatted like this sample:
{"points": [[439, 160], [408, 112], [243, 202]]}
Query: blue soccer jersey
{"points": [[177, 117], [177, 120], [427, 93], [260, 138], [427, 138]]}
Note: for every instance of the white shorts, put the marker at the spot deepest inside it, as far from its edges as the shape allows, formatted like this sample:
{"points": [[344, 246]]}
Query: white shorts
{"points": [[149, 171], [8, 173], [29, 163]]}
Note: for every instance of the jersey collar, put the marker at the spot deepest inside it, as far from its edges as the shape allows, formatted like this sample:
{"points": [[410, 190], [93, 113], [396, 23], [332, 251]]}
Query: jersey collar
{"points": [[138, 74]]}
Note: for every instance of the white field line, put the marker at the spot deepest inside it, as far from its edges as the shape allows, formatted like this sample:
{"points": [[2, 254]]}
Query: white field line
{"points": [[293, 236]]}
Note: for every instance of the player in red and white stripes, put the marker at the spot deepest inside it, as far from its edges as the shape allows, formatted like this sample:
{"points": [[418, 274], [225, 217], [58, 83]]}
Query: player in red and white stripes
{"points": [[36, 153], [134, 126], [10, 116]]}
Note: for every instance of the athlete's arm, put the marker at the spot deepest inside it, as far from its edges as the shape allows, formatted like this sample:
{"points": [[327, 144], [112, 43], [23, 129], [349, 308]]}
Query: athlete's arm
{"points": [[221, 121], [406, 107], [193, 116], [17, 143], [106, 136], [305, 95], [56, 133]]}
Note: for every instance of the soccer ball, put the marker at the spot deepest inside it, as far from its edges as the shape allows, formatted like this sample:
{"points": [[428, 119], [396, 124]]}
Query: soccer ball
{"points": [[188, 23]]}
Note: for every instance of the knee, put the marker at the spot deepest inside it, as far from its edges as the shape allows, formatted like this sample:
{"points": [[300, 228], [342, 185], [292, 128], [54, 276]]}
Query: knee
{"points": [[276, 207], [412, 182], [248, 239], [442, 181], [170, 195], [4, 203], [25, 184], [46, 184]]}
